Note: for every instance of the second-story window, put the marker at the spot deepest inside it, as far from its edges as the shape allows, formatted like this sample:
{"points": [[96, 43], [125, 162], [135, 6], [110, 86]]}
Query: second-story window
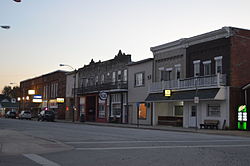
{"points": [[207, 68], [102, 79], [113, 77], [177, 71], [96, 80], [196, 68], [218, 64], [139, 79], [119, 75], [125, 75], [168, 74]]}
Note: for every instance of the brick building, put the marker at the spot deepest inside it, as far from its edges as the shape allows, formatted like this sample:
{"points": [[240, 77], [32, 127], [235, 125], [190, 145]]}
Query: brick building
{"points": [[47, 89], [102, 90]]}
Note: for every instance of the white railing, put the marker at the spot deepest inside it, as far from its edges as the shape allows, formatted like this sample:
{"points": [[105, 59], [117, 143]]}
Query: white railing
{"points": [[205, 81]]}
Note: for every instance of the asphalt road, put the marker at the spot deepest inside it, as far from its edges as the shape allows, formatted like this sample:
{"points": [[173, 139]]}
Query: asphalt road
{"points": [[89, 145]]}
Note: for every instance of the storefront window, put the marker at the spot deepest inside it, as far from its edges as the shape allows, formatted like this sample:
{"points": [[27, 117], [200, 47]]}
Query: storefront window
{"points": [[178, 110], [213, 111], [142, 111]]}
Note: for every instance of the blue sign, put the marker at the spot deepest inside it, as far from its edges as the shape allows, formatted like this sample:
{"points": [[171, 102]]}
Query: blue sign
{"points": [[37, 97]]}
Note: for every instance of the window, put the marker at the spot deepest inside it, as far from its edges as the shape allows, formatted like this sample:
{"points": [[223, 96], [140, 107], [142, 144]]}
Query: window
{"points": [[113, 77], [102, 79], [142, 111], [139, 79], [119, 75], [196, 68], [207, 68], [125, 75], [213, 110], [177, 71], [101, 111], [178, 110], [96, 80], [166, 74], [218, 64]]}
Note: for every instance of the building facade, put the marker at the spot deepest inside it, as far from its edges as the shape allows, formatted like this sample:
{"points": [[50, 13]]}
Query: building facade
{"points": [[44, 92], [214, 75], [103, 90], [139, 79]]}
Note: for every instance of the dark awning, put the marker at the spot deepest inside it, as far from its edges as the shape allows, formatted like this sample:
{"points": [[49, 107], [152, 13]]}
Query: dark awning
{"points": [[203, 94]]}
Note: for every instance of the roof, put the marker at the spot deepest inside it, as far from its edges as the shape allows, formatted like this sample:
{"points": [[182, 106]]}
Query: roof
{"points": [[203, 94], [141, 61]]}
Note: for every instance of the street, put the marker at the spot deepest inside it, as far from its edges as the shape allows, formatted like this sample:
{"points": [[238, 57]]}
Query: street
{"points": [[56, 143]]}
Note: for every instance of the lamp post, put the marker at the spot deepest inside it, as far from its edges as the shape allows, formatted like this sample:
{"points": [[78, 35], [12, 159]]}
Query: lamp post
{"points": [[74, 91]]}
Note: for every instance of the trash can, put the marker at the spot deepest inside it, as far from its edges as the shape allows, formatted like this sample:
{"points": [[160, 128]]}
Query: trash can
{"points": [[82, 118]]}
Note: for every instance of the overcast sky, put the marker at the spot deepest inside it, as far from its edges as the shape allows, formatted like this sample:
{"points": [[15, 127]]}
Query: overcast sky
{"points": [[45, 33]]}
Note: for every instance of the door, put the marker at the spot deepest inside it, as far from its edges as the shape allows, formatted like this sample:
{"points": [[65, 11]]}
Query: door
{"points": [[192, 116]]}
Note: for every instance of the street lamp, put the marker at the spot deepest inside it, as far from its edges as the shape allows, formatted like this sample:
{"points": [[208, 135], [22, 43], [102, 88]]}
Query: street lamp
{"points": [[5, 26], [74, 107]]}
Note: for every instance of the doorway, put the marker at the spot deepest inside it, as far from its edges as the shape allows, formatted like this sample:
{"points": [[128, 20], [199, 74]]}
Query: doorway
{"points": [[91, 108], [193, 116]]}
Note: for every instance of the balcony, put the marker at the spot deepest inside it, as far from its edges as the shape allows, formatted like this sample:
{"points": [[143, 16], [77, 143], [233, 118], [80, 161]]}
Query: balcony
{"points": [[189, 83], [120, 85]]}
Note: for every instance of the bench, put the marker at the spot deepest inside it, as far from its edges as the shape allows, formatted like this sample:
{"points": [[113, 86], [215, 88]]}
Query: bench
{"points": [[170, 120], [210, 124]]}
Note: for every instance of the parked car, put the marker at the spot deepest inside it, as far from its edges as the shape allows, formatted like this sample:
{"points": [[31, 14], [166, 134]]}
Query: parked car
{"points": [[11, 114], [25, 115], [46, 115]]}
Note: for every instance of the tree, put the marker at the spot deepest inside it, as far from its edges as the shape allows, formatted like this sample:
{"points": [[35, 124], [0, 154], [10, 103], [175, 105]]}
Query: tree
{"points": [[11, 92]]}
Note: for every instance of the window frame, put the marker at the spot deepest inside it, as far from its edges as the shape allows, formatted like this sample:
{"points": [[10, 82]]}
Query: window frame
{"points": [[142, 81]]}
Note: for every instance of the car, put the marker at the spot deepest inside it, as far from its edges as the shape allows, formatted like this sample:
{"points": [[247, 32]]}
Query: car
{"points": [[25, 115], [46, 115], [11, 114]]}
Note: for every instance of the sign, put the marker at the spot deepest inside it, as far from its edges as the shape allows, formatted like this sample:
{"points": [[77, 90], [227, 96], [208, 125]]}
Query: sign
{"points": [[242, 117], [37, 100], [103, 95], [31, 92], [196, 100], [37, 97], [167, 92], [60, 100], [53, 103]]}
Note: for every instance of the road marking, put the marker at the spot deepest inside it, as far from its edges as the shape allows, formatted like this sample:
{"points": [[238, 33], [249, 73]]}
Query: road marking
{"points": [[118, 142], [40, 160], [163, 147]]}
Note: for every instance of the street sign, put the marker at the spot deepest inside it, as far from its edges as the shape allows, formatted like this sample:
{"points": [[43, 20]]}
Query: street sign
{"points": [[103, 95], [196, 100]]}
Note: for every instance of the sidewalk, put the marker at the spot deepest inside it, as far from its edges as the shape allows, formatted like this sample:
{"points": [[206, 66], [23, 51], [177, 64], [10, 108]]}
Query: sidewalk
{"points": [[167, 128]]}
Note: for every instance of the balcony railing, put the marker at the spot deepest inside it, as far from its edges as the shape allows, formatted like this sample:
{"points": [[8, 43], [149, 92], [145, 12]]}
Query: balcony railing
{"points": [[105, 86], [205, 81]]}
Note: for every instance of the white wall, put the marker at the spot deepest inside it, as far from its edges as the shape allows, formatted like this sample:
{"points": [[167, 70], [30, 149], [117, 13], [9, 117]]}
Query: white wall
{"points": [[202, 112]]}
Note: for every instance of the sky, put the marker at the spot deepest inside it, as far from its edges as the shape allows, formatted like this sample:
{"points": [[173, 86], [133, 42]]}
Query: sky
{"points": [[45, 33]]}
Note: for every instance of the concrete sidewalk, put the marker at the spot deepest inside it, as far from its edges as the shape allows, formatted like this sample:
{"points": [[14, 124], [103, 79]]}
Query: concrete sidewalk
{"points": [[167, 128]]}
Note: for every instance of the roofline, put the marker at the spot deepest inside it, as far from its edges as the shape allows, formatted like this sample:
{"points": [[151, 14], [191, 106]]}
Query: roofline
{"points": [[140, 61], [224, 32]]}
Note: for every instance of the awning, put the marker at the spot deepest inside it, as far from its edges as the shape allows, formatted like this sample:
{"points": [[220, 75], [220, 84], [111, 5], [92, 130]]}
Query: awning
{"points": [[203, 94]]}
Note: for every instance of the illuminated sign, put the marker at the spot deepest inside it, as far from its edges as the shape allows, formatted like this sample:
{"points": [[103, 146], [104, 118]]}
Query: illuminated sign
{"points": [[37, 97], [37, 100], [167, 92], [242, 117], [31, 92], [60, 100]]}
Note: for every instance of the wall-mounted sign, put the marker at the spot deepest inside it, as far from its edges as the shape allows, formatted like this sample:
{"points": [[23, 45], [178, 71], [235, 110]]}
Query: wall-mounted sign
{"points": [[103, 95], [37, 100], [31, 92], [37, 97], [242, 117], [167, 92], [196, 100], [60, 100]]}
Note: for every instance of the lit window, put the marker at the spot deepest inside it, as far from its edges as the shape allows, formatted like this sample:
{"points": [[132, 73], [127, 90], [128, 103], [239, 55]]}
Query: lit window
{"points": [[142, 110]]}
